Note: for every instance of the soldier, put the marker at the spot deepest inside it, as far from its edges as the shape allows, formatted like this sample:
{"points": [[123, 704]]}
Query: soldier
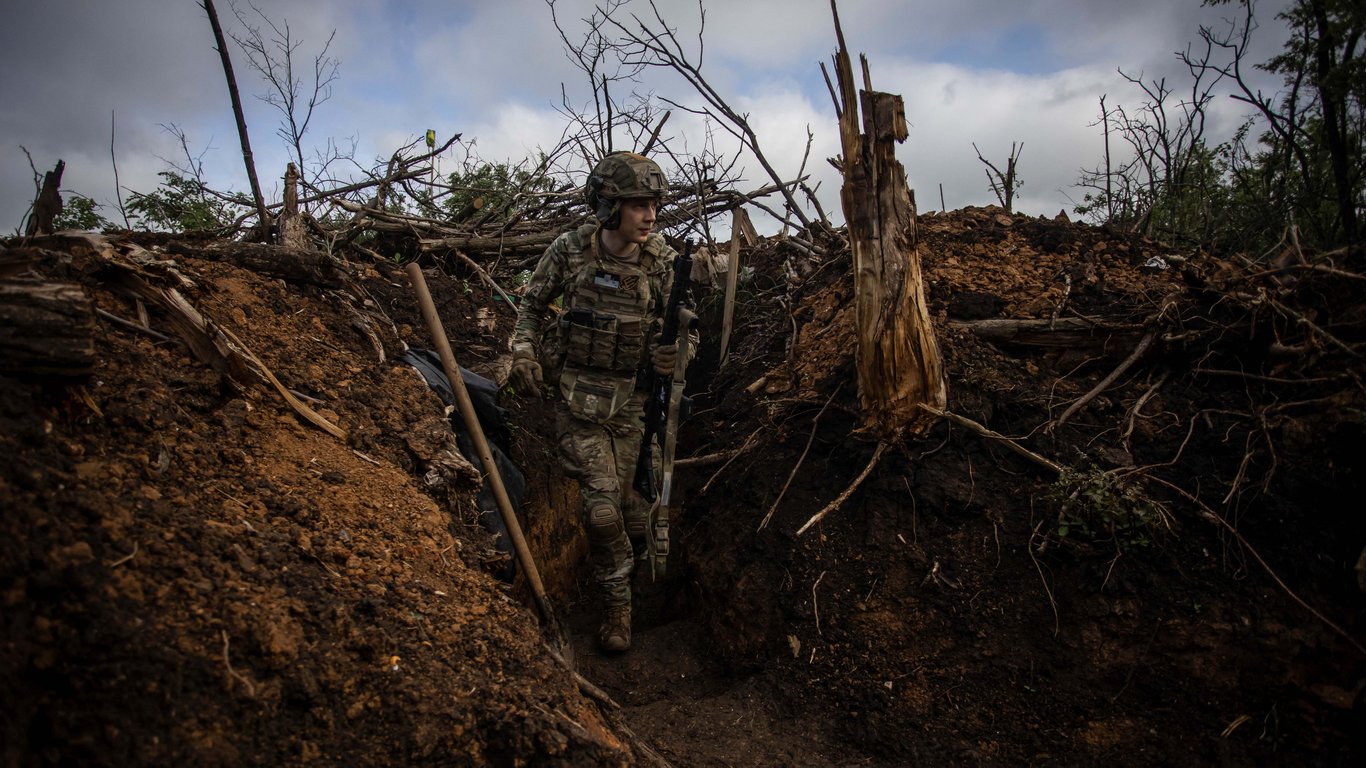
{"points": [[615, 277]]}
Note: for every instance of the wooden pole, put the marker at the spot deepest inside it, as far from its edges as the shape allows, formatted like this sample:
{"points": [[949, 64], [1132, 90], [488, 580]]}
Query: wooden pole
{"points": [[481, 445], [732, 280]]}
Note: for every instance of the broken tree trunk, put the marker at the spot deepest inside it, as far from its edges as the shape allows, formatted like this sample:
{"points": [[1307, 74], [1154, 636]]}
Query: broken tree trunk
{"points": [[48, 205], [46, 329], [293, 231], [899, 366]]}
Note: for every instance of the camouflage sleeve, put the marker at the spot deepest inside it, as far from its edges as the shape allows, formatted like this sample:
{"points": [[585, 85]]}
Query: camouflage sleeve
{"points": [[547, 282]]}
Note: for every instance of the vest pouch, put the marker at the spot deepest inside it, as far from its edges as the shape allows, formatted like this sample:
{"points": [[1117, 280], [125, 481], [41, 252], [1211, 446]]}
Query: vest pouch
{"points": [[594, 397], [604, 345], [576, 330], [630, 352]]}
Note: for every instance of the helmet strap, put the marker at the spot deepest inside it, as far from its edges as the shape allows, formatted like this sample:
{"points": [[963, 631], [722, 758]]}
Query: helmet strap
{"points": [[609, 213]]}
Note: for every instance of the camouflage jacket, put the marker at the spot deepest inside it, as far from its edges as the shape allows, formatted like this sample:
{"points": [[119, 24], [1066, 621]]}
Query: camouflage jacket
{"points": [[556, 271]]}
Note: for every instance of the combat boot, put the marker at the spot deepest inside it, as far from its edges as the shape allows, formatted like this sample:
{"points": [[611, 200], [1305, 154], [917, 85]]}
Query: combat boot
{"points": [[615, 634]]}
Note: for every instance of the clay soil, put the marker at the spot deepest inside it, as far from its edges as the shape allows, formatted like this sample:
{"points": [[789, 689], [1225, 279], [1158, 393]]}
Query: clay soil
{"points": [[191, 573]]}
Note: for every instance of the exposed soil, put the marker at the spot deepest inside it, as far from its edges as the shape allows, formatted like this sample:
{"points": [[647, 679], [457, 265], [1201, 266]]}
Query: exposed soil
{"points": [[191, 573]]}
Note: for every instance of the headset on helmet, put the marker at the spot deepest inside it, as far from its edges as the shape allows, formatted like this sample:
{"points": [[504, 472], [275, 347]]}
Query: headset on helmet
{"points": [[622, 176]]}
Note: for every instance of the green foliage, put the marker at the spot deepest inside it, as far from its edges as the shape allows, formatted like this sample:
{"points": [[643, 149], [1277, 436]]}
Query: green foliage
{"points": [[1101, 507], [81, 212], [184, 204], [493, 187], [1300, 160]]}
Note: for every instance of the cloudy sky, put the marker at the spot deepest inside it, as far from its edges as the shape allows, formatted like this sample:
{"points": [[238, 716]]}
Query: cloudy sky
{"points": [[983, 71]]}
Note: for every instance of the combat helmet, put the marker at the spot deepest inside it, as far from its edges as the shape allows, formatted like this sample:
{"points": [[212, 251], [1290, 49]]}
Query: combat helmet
{"points": [[622, 176]]}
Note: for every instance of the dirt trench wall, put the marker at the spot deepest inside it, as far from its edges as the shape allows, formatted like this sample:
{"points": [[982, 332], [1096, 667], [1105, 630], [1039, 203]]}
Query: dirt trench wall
{"points": [[191, 574], [960, 607]]}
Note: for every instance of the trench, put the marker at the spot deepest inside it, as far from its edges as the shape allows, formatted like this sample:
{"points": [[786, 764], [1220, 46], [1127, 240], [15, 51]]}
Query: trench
{"points": [[693, 686]]}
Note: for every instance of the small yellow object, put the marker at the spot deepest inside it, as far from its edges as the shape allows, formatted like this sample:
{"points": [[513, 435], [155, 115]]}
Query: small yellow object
{"points": [[393, 663], [431, 138]]}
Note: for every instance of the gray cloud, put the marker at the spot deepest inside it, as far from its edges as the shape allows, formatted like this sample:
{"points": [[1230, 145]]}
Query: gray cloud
{"points": [[974, 70]]}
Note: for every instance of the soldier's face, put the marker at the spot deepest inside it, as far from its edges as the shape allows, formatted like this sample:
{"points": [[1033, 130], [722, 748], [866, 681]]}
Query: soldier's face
{"points": [[637, 219]]}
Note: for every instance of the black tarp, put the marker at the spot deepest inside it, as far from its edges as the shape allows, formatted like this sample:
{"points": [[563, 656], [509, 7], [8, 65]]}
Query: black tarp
{"points": [[493, 421]]}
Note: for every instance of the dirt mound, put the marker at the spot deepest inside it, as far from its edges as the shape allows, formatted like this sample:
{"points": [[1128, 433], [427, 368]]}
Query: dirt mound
{"points": [[196, 568], [192, 574], [968, 604]]}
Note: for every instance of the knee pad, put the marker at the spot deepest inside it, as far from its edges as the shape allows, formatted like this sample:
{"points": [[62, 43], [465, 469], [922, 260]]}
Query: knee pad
{"points": [[604, 523]]}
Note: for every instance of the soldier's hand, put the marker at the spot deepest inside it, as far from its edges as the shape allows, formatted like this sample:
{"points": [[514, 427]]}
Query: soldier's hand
{"points": [[526, 372], [664, 357]]}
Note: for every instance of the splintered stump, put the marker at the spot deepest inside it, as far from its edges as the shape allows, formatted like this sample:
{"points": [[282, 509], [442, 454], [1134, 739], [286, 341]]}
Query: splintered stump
{"points": [[48, 205], [46, 329], [899, 366]]}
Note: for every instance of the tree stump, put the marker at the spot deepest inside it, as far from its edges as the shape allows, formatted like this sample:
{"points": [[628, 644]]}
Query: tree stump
{"points": [[48, 205], [898, 360], [293, 231]]}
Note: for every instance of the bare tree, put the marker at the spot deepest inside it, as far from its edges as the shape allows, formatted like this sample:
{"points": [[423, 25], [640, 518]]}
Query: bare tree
{"points": [[272, 50], [655, 43], [1003, 184], [1158, 186], [597, 56], [618, 111]]}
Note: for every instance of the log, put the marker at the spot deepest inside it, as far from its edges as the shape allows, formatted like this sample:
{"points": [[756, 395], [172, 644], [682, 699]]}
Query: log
{"points": [[898, 360], [46, 329], [1064, 333], [289, 264], [510, 244]]}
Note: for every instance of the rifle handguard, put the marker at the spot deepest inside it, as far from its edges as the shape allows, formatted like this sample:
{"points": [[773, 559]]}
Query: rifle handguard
{"points": [[658, 386]]}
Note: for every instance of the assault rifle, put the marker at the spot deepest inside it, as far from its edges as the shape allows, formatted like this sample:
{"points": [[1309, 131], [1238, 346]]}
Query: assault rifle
{"points": [[663, 406]]}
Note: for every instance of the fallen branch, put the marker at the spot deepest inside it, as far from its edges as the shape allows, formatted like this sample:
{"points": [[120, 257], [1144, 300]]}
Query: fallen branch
{"points": [[1143, 344], [733, 456], [809, 440], [1061, 333], [132, 326], [298, 405], [484, 275], [707, 460], [219, 347]]}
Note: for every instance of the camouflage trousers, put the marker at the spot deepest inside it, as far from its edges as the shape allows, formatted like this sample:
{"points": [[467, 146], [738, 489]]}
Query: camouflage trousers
{"points": [[602, 459]]}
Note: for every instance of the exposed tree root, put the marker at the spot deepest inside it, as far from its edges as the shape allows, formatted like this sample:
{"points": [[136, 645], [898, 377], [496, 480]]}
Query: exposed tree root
{"points": [[843, 497]]}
